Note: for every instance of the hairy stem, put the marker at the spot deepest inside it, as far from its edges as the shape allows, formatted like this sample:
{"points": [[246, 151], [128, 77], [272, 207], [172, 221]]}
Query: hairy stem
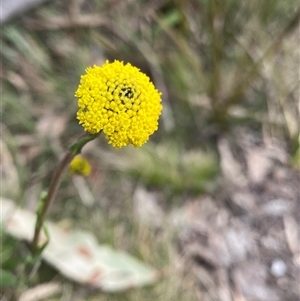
{"points": [[55, 183]]}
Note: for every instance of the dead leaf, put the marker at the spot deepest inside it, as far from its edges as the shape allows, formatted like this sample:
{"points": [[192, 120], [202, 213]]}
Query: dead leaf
{"points": [[41, 292], [292, 234], [77, 255], [8, 172], [258, 163]]}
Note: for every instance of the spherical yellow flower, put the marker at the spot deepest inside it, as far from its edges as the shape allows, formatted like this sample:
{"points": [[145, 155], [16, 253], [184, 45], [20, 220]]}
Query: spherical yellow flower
{"points": [[81, 166], [119, 100]]}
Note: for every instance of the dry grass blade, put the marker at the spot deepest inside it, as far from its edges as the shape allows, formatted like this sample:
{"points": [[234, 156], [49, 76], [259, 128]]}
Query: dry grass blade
{"points": [[63, 22]]}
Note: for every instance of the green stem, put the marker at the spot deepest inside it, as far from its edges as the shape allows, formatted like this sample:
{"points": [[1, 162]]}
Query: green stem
{"points": [[55, 183]]}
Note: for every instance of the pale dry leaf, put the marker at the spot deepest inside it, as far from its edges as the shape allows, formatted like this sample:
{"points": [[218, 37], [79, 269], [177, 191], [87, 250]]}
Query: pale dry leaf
{"points": [[292, 234], [41, 292], [77, 255], [258, 163], [8, 172], [297, 259]]}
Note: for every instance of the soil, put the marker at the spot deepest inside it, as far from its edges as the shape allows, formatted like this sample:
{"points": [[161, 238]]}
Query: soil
{"points": [[243, 243]]}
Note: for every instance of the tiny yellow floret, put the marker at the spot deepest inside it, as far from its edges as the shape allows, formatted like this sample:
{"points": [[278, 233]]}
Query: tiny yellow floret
{"points": [[119, 100], [80, 166]]}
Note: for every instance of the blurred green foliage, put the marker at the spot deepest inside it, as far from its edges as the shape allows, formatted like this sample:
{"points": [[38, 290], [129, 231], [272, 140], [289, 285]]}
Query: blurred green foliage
{"points": [[172, 170]]}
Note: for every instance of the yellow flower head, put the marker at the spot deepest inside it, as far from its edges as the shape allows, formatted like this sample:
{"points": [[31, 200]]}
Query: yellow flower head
{"points": [[119, 100], [80, 166]]}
